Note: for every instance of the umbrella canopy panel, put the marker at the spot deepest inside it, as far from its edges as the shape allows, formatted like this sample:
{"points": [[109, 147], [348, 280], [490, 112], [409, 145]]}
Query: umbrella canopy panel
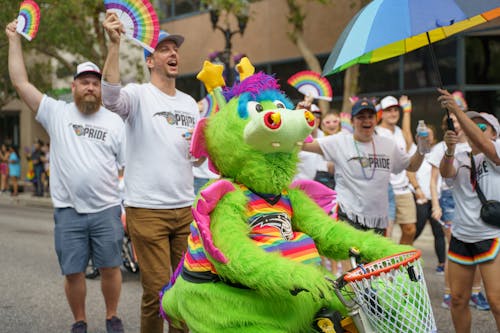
{"points": [[388, 28]]}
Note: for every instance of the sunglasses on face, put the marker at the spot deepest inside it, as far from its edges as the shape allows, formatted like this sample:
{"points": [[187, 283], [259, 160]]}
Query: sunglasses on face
{"points": [[482, 127]]}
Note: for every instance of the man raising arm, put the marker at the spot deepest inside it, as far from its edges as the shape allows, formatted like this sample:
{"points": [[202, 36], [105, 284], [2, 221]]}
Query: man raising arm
{"points": [[85, 151], [158, 178]]}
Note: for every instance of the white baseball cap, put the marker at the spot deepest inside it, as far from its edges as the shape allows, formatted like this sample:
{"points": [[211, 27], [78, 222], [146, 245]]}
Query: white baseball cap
{"points": [[389, 101], [489, 118], [87, 67]]}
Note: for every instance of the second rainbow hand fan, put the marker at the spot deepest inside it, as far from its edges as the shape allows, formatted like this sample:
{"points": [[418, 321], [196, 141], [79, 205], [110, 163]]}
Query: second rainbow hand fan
{"points": [[209, 106], [139, 20], [310, 83], [28, 19]]}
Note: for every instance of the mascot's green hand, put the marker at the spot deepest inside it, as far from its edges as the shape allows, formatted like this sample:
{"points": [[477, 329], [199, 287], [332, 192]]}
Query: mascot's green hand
{"points": [[313, 282]]}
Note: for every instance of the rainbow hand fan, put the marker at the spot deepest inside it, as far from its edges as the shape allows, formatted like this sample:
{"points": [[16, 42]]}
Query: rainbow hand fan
{"points": [[209, 106], [139, 20], [459, 98], [345, 122], [310, 83], [28, 19]]}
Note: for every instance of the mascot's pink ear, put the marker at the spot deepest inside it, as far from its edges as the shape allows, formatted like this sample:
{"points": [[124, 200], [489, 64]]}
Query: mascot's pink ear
{"points": [[198, 146]]}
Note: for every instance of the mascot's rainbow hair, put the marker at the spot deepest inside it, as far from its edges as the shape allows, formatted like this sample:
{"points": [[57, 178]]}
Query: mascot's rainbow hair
{"points": [[254, 85], [257, 87]]}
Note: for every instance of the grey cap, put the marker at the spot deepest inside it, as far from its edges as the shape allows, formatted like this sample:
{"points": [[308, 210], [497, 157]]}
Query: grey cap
{"points": [[177, 39], [488, 117]]}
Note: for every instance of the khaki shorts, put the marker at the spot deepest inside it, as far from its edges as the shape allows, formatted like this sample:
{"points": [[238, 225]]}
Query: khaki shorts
{"points": [[406, 210]]}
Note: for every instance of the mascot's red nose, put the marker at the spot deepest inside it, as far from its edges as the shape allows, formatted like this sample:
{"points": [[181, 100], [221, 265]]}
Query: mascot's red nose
{"points": [[272, 120]]}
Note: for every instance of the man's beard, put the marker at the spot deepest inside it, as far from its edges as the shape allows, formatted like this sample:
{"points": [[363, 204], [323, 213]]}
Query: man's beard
{"points": [[171, 76], [87, 107]]}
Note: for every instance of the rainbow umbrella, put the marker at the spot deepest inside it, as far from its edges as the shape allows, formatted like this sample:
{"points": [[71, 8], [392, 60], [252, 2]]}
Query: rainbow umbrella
{"points": [[388, 28]]}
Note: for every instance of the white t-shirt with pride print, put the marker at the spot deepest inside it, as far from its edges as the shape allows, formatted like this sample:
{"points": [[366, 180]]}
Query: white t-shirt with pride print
{"points": [[159, 174], [364, 195], [85, 154]]}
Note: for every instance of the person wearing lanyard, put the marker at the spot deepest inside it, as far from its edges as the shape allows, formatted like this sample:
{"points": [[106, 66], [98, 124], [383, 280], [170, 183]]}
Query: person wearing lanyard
{"points": [[363, 165]]}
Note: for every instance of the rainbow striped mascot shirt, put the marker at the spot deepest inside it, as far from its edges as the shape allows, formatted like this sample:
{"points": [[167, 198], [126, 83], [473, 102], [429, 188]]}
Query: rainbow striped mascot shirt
{"points": [[270, 228]]}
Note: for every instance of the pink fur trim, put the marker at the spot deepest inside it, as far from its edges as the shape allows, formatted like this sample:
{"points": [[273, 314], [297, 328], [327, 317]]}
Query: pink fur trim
{"points": [[198, 146], [209, 199], [325, 197]]}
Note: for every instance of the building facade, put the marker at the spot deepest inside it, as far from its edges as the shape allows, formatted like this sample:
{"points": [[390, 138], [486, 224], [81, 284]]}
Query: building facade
{"points": [[467, 62]]}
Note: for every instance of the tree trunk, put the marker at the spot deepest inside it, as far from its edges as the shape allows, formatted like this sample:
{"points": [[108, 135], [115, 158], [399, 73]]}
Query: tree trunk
{"points": [[313, 63], [350, 87]]}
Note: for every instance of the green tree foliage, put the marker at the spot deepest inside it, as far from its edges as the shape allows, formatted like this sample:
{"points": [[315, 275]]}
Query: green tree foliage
{"points": [[70, 32]]}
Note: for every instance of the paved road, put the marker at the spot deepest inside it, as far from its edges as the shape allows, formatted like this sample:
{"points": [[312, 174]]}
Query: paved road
{"points": [[31, 287], [482, 321]]}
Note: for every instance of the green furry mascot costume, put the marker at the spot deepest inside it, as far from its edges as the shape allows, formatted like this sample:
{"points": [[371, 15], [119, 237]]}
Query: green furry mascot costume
{"points": [[253, 257]]}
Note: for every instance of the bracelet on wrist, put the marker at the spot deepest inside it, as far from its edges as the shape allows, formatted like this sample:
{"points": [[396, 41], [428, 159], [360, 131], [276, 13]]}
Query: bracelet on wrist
{"points": [[446, 154], [406, 107]]}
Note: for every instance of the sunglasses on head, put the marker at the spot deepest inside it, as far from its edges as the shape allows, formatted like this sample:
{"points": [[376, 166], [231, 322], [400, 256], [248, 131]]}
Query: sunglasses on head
{"points": [[482, 126]]}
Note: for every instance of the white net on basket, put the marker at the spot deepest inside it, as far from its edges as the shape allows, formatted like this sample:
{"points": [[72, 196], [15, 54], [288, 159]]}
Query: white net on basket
{"points": [[393, 295]]}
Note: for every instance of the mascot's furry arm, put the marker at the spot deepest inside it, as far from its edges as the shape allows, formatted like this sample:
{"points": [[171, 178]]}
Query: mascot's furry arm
{"points": [[249, 265], [335, 238]]}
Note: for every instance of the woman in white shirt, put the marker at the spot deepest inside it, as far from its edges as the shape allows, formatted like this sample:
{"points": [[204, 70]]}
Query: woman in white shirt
{"points": [[474, 243], [363, 165]]}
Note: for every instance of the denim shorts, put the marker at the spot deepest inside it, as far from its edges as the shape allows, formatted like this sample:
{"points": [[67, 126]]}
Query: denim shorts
{"points": [[199, 183], [392, 205], [81, 236], [447, 205]]}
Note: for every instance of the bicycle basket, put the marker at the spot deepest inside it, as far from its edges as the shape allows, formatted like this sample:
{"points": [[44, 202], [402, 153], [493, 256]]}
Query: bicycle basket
{"points": [[392, 294]]}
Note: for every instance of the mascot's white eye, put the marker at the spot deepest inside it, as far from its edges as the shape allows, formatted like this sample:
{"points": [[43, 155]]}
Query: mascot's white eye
{"points": [[254, 107], [279, 104]]}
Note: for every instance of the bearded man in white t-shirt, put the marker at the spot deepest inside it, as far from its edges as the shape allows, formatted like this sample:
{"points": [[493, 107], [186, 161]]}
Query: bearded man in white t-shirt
{"points": [[86, 150], [406, 212], [158, 178]]}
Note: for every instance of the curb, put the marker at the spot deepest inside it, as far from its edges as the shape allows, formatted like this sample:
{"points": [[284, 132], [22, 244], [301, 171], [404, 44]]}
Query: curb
{"points": [[26, 200]]}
